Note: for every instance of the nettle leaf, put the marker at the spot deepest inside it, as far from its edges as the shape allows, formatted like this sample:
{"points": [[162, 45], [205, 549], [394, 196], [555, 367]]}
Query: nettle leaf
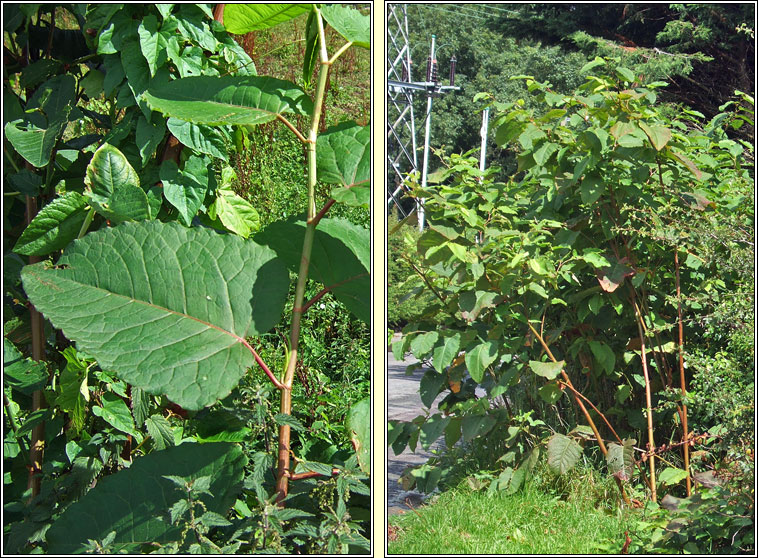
{"points": [[243, 18], [57, 224], [343, 156], [562, 453], [165, 307], [113, 187], [479, 358], [241, 100], [115, 412], [350, 23], [135, 502], [22, 374], [549, 370], [358, 426], [204, 139], [340, 259], [160, 431]]}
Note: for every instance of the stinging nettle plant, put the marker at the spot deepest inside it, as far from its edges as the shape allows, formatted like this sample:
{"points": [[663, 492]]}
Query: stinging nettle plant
{"points": [[156, 296]]}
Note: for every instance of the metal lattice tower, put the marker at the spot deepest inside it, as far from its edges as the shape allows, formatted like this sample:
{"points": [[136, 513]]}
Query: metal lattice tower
{"points": [[401, 126]]}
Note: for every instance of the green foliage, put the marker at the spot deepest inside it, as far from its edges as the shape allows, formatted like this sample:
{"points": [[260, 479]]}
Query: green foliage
{"points": [[128, 155], [578, 256]]}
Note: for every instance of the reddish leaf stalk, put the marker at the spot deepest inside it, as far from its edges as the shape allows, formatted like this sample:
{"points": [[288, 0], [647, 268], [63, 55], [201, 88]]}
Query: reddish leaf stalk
{"points": [[685, 434], [648, 402]]}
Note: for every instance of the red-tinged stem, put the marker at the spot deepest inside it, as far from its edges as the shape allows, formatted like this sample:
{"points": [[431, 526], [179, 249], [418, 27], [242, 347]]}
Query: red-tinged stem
{"points": [[685, 434]]}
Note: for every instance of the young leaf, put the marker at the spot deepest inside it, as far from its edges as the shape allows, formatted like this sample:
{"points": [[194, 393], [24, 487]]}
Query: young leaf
{"points": [[549, 370], [358, 426], [204, 139], [311, 48], [350, 23], [236, 213], [57, 224], [113, 187], [672, 475], [228, 100], [165, 307], [144, 496], [479, 358], [243, 18], [562, 453]]}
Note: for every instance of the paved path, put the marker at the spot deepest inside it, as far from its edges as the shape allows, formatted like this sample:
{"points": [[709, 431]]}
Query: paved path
{"points": [[404, 403]]}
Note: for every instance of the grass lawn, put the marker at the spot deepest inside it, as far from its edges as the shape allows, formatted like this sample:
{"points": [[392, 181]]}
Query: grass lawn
{"points": [[528, 522]]}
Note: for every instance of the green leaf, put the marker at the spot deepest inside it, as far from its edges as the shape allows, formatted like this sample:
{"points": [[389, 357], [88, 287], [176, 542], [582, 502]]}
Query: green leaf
{"points": [[625, 74], [595, 258], [358, 426], [622, 393], [432, 429], [152, 43], [355, 196], [205, 139], [236, 213], [74, 394], [432, 383], [228, 100], [659, 135], [343, 155], [550, 392], [183, 190], [472, 303], [350, 23], [115, 412], [686, 162], [479, 358], [165, 307], [243, 18], [340, 258], [549, 370], [476, 425], [443, 354], [562, 453], [289, 420], [604, 356], [311, 48], [57, 224], [135, 502], [593, 186], [422, 344], [149, 135], [22, 374], [113, 186], [592, 64], [621, 458], [160, 431], [33, 143], [672, 475]]}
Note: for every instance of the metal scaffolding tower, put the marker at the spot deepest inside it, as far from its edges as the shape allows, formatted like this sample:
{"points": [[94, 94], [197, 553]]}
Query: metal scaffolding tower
{"points": [[401, 125]]}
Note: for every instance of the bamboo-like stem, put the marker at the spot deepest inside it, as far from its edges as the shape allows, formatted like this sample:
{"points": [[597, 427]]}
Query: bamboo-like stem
{"points": [[579, 403], [648, 401], [283, 462], [37, 446], [685, 434]]}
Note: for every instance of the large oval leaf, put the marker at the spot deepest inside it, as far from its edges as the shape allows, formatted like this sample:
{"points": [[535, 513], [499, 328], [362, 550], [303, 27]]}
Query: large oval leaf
{"points": [[165, 307], [562, 453], [350, 23], [243, 18], [243, 100], [343, 156], [340, 259], [358, 426], [135, 502]]}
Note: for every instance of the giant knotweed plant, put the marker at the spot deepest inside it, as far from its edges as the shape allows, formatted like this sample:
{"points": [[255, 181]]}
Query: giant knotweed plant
{"points": [[166, 281]]}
